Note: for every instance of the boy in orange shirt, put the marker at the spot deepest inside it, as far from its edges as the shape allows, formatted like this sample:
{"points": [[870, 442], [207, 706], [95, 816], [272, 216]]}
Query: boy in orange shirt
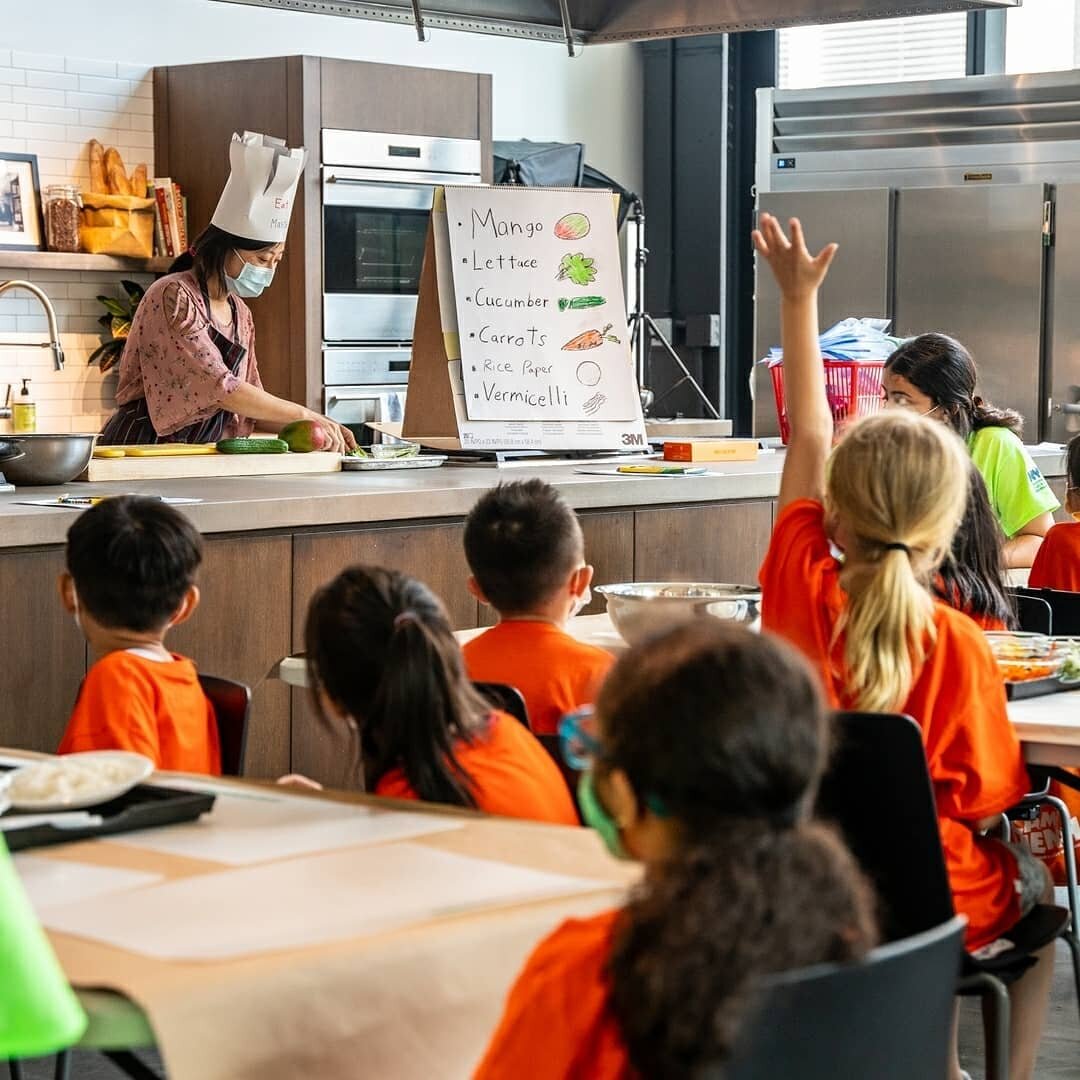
{"points": [[1057, 566], [527, 556], [130, 577]]}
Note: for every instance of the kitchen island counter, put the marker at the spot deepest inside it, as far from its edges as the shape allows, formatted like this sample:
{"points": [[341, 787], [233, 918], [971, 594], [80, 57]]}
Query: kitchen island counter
{"points": [[271, 541]]}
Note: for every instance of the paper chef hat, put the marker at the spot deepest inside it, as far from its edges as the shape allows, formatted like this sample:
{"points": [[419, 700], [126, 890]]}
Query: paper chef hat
{"points": [[258, 196]]}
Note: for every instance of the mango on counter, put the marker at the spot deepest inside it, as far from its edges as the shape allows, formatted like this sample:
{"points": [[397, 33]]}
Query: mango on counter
{"points": [[304, 436]]}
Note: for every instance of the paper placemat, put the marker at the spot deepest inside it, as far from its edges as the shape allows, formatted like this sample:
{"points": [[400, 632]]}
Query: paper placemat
{"points": [[58, 882], [306, 902]]}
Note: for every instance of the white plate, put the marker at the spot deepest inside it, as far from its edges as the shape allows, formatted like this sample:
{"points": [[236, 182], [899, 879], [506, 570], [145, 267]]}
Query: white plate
{"points": [[355, 464], [136, 769]]}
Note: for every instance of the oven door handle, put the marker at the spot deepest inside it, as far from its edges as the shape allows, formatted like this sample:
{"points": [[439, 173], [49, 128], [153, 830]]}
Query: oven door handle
{"points": [[367, 396]]}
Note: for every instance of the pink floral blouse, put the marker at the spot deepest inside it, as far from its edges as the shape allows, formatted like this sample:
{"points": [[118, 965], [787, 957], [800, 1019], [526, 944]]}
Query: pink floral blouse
{"points": [[170, 359]]}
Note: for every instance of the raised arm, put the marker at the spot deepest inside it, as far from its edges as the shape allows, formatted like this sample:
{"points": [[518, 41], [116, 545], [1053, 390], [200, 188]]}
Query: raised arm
{"points": [[799, 276]]}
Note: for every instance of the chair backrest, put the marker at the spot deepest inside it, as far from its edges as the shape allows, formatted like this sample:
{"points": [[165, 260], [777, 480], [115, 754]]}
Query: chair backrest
{"points": [[1064, 608], [232, 707], [1034, 613], [505, 697], [888, 1017], [877, 790]]}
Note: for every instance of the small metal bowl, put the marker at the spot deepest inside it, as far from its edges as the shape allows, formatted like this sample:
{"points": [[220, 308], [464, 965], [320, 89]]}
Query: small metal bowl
{"points": [[48, 459], [643, 609]]}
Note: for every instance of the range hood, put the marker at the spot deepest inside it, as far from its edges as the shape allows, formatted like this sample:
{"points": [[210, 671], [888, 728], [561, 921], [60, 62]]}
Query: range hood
{"points": [[597, 21]]}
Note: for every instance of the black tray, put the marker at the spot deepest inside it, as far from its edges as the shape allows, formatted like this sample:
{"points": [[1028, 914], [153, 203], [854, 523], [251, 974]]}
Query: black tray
{"points": [[143, 807], [1018, 691]]}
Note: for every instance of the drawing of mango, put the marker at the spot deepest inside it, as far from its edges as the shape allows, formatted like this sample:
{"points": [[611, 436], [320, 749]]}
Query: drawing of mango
{"points": [[572, 227]]}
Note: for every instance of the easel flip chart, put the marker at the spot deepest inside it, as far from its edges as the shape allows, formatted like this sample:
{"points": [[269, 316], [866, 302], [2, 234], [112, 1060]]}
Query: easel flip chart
{"points": [[521, 335]]}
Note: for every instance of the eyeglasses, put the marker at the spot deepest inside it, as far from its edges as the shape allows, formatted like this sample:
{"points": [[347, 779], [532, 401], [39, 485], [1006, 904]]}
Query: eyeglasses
{"points": [[579, 739]]}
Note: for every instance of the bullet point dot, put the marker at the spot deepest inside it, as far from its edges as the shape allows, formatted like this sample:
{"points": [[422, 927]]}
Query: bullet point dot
{"points": [[472, 335], [459, 224], [476, 396], [465, 261]]}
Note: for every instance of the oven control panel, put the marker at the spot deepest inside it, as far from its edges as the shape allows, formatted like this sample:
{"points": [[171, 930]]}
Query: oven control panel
{"points": [[366, 366]]}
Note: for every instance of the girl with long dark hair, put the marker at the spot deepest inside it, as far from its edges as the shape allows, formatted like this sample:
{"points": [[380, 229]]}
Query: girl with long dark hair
{"points": [[383, 661], [934, 375], [706, 750]]}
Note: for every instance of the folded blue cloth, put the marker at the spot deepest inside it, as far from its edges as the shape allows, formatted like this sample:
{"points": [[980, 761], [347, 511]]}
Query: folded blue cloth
{"points": [[850, 339]]}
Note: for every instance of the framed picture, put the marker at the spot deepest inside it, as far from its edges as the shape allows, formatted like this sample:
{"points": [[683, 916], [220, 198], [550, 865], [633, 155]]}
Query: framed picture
{"points": [[20, 204]]}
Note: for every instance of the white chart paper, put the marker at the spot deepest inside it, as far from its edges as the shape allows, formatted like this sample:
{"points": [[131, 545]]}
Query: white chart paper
{"points": [[540, 309], [252, 827], [306, 902], [51, 882]]}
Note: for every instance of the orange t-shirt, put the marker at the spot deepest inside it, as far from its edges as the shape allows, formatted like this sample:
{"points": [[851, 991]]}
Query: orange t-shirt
{"points": [[1057, 565], [958, 700], [153, 707], [513, 775], [557, 1022], [554, 672]]}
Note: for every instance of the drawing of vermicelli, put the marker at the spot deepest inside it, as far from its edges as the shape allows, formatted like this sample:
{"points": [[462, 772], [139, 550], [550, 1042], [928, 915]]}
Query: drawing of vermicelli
{"points": [[594, 404]]}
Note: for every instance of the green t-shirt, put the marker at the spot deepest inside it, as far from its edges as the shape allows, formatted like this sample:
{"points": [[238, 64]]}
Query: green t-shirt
{"points": [[1018, 492]]}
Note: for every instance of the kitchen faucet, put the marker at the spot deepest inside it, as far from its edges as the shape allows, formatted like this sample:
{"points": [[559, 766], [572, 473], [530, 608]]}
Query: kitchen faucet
{"points": [[54, 333]]}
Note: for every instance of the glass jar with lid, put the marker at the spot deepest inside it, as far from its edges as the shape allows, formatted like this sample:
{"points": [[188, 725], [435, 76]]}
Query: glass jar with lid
{"points": [[63, 205]]}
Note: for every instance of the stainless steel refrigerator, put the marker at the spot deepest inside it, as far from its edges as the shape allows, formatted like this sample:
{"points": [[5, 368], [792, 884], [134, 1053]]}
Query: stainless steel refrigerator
{"points": [[957, 208]]}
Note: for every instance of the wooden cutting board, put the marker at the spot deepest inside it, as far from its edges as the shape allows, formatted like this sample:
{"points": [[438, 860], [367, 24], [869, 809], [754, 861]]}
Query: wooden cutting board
{"points": [[184, 466]]}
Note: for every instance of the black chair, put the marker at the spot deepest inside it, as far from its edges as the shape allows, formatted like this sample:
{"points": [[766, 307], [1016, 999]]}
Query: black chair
{"points": [[1064, 608], [1034, 614], [878, 791], [889, 1017], [507, 698], [232, 707]]}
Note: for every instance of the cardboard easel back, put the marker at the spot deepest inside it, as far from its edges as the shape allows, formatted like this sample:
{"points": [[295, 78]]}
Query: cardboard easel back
{"points": [[429, 404]]}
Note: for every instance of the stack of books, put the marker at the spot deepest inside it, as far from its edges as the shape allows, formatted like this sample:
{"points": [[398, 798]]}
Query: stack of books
{"points": [[171, 219]]}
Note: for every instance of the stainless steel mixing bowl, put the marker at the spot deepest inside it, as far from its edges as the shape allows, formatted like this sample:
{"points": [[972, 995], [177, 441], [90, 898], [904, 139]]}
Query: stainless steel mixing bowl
{"points": [[48, 459], [642, 609]]}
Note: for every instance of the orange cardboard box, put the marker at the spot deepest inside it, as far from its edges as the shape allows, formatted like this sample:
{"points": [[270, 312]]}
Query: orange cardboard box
{"points": [[711, 450]]}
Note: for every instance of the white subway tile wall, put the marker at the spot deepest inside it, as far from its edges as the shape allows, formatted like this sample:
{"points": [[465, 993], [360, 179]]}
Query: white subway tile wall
{"points": [[52, 106]]}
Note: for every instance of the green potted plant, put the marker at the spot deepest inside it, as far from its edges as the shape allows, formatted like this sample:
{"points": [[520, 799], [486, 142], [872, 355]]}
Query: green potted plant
{"points": [[117, 323]]}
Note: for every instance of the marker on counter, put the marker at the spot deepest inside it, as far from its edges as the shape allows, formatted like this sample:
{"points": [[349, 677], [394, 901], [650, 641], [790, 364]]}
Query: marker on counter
{"points": [[663, 470], [93, 500]]}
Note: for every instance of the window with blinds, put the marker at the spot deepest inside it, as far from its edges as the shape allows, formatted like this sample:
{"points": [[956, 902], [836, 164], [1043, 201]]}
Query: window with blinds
{"points": [[881, 51]]}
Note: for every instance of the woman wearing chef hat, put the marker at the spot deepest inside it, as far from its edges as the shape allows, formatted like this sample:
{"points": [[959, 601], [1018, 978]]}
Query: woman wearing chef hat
{"points": [[188, 372]]}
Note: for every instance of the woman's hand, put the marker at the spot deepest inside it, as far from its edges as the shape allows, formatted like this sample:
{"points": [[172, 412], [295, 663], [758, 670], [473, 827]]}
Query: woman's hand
{"points": [[341, 438], [798, 273], [298, 780]]}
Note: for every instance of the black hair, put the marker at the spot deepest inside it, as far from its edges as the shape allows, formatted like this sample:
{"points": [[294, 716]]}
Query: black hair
{"points": [[944, 371], [726, 731], [973, 576], [132, 560], [522, 541], [1072, 463], [208, 253], [379, 645]]}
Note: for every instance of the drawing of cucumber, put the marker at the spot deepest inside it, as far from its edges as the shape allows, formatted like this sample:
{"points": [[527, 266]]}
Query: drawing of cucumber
{"points": [[578, 303]]}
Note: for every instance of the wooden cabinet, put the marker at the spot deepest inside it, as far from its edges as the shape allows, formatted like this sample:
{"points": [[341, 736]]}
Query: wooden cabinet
{"points": [[241, 629], [197, 107], [720, 542], [42, 652], [432, 553]]}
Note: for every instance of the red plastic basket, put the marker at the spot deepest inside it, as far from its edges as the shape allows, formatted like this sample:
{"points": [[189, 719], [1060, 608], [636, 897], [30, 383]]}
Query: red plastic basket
{"points": [[853, 388]]}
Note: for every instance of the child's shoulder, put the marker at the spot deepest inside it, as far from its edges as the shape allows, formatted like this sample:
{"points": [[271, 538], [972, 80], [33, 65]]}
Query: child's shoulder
{"points": [[576, 945], [958, 633], [132, 664]]}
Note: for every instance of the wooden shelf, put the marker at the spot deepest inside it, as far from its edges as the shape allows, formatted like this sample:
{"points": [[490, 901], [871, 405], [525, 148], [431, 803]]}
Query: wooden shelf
{"points": [[59, 260]]}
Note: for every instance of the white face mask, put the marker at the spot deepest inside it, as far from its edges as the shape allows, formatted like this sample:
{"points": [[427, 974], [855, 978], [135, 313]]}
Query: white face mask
{"points": [[75, 613]]}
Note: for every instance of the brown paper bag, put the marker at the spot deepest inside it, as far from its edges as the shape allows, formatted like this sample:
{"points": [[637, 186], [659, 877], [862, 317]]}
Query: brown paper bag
{"points": [[117, 225]]}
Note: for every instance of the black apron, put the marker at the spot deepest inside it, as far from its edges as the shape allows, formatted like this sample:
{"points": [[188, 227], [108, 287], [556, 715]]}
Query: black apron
{"points": [[130, 425]]}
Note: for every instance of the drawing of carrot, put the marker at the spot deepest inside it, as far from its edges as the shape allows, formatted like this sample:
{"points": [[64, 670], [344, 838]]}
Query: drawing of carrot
{"points": [[591, 339]]}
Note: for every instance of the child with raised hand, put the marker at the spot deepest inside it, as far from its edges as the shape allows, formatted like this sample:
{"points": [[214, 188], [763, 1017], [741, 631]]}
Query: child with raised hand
{"points": [[526, 553], [891, 501], [703, 758], [383, 661], [130, 578], [1057, 566]]}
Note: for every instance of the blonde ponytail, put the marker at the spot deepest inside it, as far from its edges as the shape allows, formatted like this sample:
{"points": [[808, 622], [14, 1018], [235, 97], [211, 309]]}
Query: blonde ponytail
{"points": [[897, 484]]}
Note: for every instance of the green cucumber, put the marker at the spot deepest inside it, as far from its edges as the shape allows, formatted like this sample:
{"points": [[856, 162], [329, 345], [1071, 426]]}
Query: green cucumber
{"points": [[252, 446], [580, 302]]}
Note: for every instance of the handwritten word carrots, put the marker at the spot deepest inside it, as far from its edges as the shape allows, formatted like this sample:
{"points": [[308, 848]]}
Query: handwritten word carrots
{"points": [[591, 339]]}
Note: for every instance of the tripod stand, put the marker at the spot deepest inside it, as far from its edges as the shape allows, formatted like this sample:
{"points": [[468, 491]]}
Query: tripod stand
{"points": [[643, 328]]}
